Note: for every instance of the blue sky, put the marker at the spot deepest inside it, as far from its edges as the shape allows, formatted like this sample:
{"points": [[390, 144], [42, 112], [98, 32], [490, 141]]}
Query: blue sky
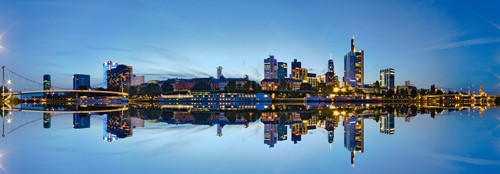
{"points": [[450, 43]]}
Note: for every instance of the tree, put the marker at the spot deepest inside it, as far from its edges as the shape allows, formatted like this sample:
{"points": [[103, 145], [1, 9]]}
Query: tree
{"points": [[151, 89], [166, 87], [231, 86], [413, 93], [201, 86], [376, 89], [132, 91], [251, 87], [305, 86], [389, 93], [439, 92], [283, 86], [433, 90]]}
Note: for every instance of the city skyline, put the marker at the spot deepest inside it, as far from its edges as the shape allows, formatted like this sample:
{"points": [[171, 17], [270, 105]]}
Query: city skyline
{"points": [[427, 44]]}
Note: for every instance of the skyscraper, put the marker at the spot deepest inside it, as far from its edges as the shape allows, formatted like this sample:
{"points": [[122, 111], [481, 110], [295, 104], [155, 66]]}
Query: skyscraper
{"points": [[296, 64], [387, 78], [119, 77], [330, 77], [106, 67], [81, 81], [330, 64], [354, 66], [46, 82], [219, 72], [282, 70], [270, 68]]}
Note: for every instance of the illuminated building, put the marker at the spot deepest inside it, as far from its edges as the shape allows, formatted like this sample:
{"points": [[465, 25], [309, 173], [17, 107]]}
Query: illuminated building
{"points": [[387, 78], [312, 79], [270, 68], [81, 81], [119, 125], [46, 120], [300, 74], [106, 67], [282, 70], [354, 67], [387, 124], [119, 77], [354, 135], [296, 132], [81, 121], [330, 77], [138, 80]]}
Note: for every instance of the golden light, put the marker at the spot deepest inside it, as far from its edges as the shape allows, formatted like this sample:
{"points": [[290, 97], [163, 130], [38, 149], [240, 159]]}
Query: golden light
{"points": [[9, 120], [8, 81]]}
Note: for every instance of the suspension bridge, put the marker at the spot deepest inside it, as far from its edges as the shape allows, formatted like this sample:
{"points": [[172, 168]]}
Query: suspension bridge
{"points": [[26, 86]]}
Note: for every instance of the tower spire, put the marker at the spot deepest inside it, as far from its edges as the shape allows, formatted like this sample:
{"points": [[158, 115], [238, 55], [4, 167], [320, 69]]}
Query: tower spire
{"points": [[353, 49]]}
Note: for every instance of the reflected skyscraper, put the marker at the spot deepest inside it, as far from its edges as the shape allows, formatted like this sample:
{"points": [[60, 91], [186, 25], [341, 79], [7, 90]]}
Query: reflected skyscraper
{"points": [[46, 120], [387, 124], [296, 132], [270, 134], [354, 135], [282, 132], [81, 121]]}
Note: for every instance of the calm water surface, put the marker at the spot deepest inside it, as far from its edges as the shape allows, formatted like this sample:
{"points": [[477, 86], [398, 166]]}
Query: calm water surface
{"points": [[304, 141]]}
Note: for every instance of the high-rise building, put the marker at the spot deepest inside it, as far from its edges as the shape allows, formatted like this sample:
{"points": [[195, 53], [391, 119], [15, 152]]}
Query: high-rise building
{"points": [[81, 121], [270, 134], [46, 120], [138, 80], [270, 68], [387, 78], [282, 70], [296, 64], [330, 77], [354, 66], [330, 64], [106, 67], [219, 72], [119, 77], [46, 82], [387, 124], [81, 81]]}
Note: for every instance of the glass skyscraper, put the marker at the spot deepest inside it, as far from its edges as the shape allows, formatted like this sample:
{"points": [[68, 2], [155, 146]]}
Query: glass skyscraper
{"points": [[354, 66], [387, 78], [270, 68], [282, 70], [81, 81]]}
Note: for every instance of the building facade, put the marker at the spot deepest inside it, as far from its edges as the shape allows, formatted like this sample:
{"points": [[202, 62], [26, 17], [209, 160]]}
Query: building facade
{"points": [[270, 68], [354, 67], [282, 70], [81, 81], [138, 80], [387, 78], [46, 82], [119, 77]]}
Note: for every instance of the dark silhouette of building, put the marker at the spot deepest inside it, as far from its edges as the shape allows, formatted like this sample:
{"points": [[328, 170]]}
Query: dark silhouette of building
{"points": [[46, 120], [119, 77], [81, 121], [282, 70], [81, 81]]}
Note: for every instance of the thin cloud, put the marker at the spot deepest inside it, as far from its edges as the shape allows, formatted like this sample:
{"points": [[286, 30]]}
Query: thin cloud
{"points": [[464, 43], [476, 161]]}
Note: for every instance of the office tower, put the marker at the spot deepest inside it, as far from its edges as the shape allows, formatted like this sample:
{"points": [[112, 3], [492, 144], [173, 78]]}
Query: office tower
{"points": [[46, 82], [119, 77], [138, 80], [296, 64], [270, 68], [106, 67], [330, 64], [387, 124], [81, 121], [46, 120], [354, 66], [81, 81], [330, 77], [387, 78], [282, 70], [219, 72]]}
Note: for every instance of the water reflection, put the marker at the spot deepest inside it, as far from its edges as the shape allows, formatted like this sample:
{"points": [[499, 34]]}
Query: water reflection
{"points": [[277, 120]]}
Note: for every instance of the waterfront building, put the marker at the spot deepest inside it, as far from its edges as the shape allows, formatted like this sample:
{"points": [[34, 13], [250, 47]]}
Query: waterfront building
{"points": [[106, 67], [296, 64], [387, 124], [219, 72], [46, 82], [300, 74], [270, 68], [282, 70], [387, 78], [120, 77], [138, 80], [273, 84], [81, 81], [81, 121], [312, 79], [354, 67], [330, 77]]}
